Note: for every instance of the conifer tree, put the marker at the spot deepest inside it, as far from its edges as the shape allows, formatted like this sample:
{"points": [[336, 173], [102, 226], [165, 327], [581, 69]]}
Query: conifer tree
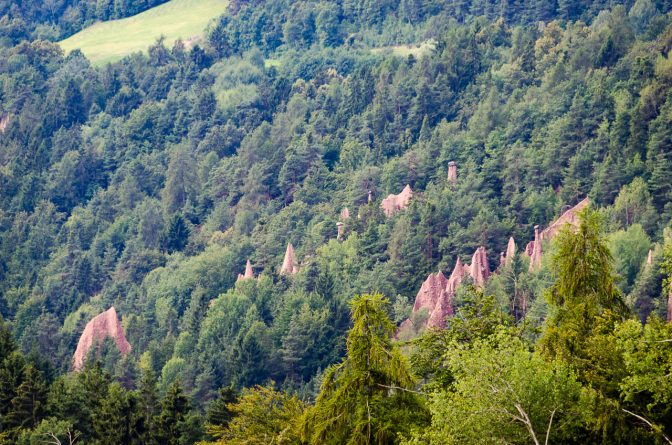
{"points": [[585, 304], [7, 345], [119, 419], [176, 235], [148, 400], [11, 371], [170, 423], [28, 405], [218, 413], [368, 398], [659, 183]]}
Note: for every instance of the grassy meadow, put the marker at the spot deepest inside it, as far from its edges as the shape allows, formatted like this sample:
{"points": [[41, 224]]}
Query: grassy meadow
{"points": [[106, 42]]}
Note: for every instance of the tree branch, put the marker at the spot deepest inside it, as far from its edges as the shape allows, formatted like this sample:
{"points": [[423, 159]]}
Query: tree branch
{"points": [[53, 436], [527, 422], [400, 389], [73, 437], [651, 425], [550, 422]]}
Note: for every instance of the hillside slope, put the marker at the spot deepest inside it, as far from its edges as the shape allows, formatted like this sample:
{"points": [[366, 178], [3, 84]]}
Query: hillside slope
{"points": [[234, 210], [178, 19]]}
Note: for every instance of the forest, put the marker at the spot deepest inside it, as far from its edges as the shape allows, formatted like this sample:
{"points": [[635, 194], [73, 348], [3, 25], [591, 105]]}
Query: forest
{"points": [[195, 249]]}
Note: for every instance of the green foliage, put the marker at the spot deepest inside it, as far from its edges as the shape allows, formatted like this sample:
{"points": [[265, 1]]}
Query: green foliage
{"points": [[177, 234], [478, 317], [584, 288], [218, 414], [28, 405], [634, 205], [666, 265], [262, 416], [119, 419], [368, 398], [647, 355], [630, 249], [504, 393], [148, 183], [174, 423], [50, 429]]}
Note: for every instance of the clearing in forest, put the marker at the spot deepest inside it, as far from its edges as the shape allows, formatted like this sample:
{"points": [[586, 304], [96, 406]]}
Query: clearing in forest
{"points": [[106, 42]]}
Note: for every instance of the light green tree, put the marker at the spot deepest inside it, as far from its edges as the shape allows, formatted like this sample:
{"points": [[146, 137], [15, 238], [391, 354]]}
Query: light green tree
{"points": [[629, 248], [647, 388], [262, 416], [504, 393]]}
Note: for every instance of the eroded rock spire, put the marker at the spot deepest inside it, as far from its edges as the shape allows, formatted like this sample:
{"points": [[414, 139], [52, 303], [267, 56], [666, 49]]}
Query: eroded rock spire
{"points": [[394, 203], [535, 256], [289, 266], [96, 331], [452, 172]]}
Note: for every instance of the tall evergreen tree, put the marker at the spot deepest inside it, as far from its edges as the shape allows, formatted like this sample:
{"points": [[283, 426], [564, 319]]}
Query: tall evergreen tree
{"points": [[176, 235], [28, 405], [120, 418], [584, 288], [148, 401], [369, 397], [171, 423], [11, 376], [218, 413]]}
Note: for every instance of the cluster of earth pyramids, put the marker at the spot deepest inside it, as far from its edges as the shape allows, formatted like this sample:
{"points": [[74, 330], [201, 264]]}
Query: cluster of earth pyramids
{"points": [[436, 294]]}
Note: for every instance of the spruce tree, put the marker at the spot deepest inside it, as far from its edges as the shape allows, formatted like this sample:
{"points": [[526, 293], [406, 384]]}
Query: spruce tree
{"points": [[170, 423], [218, 413], [28, 405], [120, 418], [176, 235], [659, 183], [148, 400], [11, 376], [7, 345]]}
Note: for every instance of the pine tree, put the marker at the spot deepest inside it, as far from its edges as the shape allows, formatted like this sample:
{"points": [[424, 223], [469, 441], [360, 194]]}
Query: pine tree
{"points": [[7, 344], [368, 398], [119, 419], [148, 400], [11, 376], [659, 183], [608, 179], [250, 353], [568, 9], [181, 180]]}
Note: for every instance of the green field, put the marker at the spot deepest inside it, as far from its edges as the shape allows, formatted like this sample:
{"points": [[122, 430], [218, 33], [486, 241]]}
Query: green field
{"points": [[110, 41]]}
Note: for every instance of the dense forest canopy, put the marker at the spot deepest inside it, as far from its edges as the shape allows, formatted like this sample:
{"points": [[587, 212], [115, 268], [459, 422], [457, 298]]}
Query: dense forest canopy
{"points": [[150, 184]]}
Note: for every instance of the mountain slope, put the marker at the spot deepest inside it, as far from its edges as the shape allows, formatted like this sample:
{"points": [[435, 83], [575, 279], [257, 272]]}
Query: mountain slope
{"points": [[178, 19], [151, 184]]}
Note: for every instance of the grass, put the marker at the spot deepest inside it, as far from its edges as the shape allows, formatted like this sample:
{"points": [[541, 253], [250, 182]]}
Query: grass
{"points": [[110, 41]]}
